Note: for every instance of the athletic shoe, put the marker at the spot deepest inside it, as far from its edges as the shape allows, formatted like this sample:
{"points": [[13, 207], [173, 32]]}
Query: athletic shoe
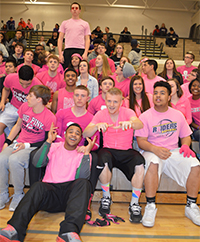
{"points": [[68, 237], [4, 198], [104, 206], [15, 201], [9, 234], [193, 213], [149, 216], [135, 213], [88, 215]]}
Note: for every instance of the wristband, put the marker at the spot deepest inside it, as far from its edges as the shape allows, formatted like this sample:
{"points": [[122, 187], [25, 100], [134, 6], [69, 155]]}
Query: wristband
{"points": [[27, 145], [8, 141]]}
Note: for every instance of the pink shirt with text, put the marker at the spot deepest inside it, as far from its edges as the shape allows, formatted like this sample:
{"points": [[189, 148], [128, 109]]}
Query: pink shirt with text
{"points": [[184, 70], [19, 93], [65, 99], [163, 128], [34, 125], [116, 138], [195, 109], [53, 83], [75, 31]]}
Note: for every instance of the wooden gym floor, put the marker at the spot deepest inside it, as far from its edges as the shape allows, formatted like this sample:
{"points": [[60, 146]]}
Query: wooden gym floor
{"points": [[171, 225]]}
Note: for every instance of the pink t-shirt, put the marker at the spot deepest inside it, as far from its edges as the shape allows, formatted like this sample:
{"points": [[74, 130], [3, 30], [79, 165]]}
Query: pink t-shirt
{"points": [[183, 105], [137, 108], [19, 93], [62, 165], [54, 83], [65, 117], [2, 69], [96, 104], [184, 70], [163, 129], [65, 99], [46, 68], [75, 31], [110, 62], [185, 88], [150, 83], [116, 138], [123, 86], [33, 66], [195, 108], [34, 125]]}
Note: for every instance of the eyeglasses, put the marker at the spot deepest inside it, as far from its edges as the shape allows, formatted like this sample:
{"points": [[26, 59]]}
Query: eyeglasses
{"points": [[187, 57], [74, 8]]}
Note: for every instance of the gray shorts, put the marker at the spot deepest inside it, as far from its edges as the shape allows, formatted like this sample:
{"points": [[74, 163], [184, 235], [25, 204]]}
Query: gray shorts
{"points": [[9, 116]]}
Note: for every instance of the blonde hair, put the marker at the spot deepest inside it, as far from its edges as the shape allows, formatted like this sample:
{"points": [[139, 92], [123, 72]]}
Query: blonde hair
{"points": [[106, 71], [115, 91]]}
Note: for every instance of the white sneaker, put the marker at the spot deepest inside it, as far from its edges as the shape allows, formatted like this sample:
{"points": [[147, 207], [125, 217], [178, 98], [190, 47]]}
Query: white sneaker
{"points": [[4, 198], [193, 213], [149, 216], [15, 201]]}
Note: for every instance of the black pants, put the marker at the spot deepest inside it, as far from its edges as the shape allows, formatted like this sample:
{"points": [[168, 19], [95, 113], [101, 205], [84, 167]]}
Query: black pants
{"points": [[68, 53], [69, 197]]}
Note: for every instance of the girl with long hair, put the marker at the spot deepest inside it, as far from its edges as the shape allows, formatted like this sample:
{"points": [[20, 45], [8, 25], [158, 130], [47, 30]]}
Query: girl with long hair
{"points": [[138, 100], [170, 71]]}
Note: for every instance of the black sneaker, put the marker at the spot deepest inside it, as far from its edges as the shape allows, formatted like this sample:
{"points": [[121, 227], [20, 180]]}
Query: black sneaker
{"points": [[105, 206], [135, 213]]}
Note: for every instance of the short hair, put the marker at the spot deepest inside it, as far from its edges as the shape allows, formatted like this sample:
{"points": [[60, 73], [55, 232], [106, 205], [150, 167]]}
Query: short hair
{"points": [[12, 60], [152, 63], [102, 44], [197, 71], [178, 86], [29, 19], [26, 73], [190, 53], [20, 44], [163, 84], [40, 46], [105, 78], [1, 53], [41, 91], [75, 124], [115, 91], [107, 27], [28, 50], [82, 87], [18, 31], [190, 85], [97, 41], [70, 69], [55, 57], [171, 29], [77, 4]]}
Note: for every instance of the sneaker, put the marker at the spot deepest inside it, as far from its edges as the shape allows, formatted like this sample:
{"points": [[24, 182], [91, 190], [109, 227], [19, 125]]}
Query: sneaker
{"points": [[88, 215], [68, 237], [135, 213], [4, 198], [193, 213], [15, 201], [149, 216], [105, 206], [9, 234]]}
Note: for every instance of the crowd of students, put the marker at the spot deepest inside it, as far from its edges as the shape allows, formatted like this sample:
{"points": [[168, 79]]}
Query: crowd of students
{"points": [[71, 126]]}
